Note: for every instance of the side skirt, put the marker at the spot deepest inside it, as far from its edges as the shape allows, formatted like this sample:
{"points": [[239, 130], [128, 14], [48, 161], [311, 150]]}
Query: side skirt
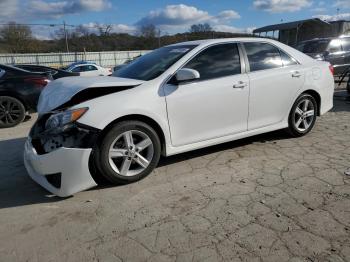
{"points": [[181, 149]]}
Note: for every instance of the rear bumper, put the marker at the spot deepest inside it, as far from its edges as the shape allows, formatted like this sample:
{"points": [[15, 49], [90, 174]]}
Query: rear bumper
{"points": [[70, 165]]}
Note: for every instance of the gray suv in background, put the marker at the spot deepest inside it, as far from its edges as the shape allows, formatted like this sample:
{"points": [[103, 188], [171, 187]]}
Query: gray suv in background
{"points": [[334, 50]]}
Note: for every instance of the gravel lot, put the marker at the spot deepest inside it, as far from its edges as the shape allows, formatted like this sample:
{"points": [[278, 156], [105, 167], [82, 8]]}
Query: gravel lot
{"points": [[266, 198]]}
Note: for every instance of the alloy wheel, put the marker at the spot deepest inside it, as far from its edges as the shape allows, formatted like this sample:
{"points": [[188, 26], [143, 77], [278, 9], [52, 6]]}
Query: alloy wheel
{"points": [[304, 115], [131, 153], [10, 111]]}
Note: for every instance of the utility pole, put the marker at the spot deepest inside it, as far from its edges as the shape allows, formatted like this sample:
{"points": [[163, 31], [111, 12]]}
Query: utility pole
{"points": [[65, 35]]}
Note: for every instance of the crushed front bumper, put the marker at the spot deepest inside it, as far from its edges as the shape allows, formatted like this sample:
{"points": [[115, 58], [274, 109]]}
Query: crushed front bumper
{"points": [[63, 172]]}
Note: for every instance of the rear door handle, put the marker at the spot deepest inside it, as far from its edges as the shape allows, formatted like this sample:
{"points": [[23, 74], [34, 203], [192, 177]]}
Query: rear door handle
{"points": [[240, 84], [296, 74]]}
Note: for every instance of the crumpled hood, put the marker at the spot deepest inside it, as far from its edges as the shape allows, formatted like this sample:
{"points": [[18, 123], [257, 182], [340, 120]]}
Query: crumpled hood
{"points": [[60, 91]]}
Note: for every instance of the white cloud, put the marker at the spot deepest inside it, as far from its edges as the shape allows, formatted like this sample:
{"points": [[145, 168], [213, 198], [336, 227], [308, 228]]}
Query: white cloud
{"points": [[115, 28], [344, 16], [181, 16], [57, 9], [280, 6], [232, 29], [342, 4], [228, 15]]}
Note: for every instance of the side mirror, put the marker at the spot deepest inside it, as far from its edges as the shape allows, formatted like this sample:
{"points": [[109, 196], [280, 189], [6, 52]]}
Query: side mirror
{"points": [[186, 74]]}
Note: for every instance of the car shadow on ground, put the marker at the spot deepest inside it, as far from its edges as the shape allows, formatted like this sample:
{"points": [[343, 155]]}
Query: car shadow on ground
{"points": [[341, 101], [16, 187]]}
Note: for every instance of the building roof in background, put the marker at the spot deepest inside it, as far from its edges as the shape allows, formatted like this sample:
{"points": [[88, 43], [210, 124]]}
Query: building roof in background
{"points": [[290, 25]]}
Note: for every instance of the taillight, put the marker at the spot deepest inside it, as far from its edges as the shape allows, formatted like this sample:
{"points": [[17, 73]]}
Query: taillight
{"points": [[331, 68], [39, 82]]}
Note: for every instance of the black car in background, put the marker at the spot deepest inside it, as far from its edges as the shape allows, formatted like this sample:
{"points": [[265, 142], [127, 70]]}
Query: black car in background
{"points": [[19, 93], [55, 73], [334, 50]]}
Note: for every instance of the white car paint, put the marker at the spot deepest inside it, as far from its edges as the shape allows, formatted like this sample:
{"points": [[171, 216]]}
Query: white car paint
{"points": [[192, 115], [90, 70]]}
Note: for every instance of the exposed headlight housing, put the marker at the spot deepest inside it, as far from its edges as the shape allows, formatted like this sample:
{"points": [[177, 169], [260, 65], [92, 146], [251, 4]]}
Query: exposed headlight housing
{"points": [[60, 120]]}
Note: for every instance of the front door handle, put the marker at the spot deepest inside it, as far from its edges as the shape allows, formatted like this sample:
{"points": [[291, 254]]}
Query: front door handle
{"points": [[296, 74], [240, 84]]}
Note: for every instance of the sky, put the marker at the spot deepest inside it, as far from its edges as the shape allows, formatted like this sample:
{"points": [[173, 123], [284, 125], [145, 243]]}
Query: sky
{"points": [[169, 16]]}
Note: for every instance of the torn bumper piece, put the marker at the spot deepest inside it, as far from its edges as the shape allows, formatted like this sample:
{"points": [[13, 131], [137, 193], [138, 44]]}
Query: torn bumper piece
{"points": [[63, 172]]}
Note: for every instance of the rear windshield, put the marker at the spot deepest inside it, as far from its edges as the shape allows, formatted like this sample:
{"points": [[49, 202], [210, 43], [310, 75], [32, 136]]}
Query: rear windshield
{"points": [[153, 64], [318, 46]]}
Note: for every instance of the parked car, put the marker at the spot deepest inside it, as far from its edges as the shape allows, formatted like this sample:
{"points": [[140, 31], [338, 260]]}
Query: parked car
{"points": [[87, 69], [55, 73], [334, 50], [77, 63], [117, 67], [175, 99], [19, 93]]}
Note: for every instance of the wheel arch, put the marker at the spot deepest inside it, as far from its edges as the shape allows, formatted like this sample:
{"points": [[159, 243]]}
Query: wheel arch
{"points": [[317, 97], [142, 118], [17, 96]]}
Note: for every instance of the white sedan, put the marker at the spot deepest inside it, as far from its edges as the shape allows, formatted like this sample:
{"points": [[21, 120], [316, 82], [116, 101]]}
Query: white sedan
{"points": [[175, 99], [90, 70]]}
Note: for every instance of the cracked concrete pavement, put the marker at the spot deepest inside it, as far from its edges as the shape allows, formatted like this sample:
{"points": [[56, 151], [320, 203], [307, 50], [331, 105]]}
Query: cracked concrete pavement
{"points": [[265, 198]]}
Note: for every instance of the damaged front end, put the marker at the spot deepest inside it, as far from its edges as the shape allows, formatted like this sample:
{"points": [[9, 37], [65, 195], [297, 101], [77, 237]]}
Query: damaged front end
{"points": [[48, 134]]}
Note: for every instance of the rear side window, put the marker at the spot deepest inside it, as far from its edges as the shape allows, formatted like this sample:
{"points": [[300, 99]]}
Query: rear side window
{"points": [[262, 56], [287, 60], [90, 68], [346, 44], [217, 61]]}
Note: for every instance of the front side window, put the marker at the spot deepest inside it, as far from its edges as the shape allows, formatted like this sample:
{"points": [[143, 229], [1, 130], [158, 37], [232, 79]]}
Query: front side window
{"points": [[335, 46], [262, 56], [313, 47], [77, 69], [217, 61], [153, 64]]}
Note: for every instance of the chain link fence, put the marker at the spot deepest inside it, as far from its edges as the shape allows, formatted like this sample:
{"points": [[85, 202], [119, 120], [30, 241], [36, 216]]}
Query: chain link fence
{"points": [[105, 59]]}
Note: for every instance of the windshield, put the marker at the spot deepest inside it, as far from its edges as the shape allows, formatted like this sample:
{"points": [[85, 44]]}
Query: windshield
{"points": [[318, 46], [153, 64]]}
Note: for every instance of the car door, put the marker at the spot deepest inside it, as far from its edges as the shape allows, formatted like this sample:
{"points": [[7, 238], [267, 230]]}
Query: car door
{"points": [[91, 70], [275, 78], [213, 106]]}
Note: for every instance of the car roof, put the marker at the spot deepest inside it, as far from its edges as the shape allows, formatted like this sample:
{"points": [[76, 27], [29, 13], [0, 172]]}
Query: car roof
{"points": [[82, 63], [324, 39], [226, 40]]}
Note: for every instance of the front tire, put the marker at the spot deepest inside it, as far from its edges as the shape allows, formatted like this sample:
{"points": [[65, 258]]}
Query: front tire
{"points": [[12, 112], [128, 152], [302, 117]]}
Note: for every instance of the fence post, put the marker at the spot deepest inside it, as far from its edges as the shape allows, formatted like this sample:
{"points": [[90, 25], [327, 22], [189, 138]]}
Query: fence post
{"points": [[100, 58], [60, 59]]}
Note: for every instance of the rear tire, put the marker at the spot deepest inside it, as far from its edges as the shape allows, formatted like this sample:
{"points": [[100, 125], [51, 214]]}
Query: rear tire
{"points": [[128, 152], [302, 117], [12, 112]]}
